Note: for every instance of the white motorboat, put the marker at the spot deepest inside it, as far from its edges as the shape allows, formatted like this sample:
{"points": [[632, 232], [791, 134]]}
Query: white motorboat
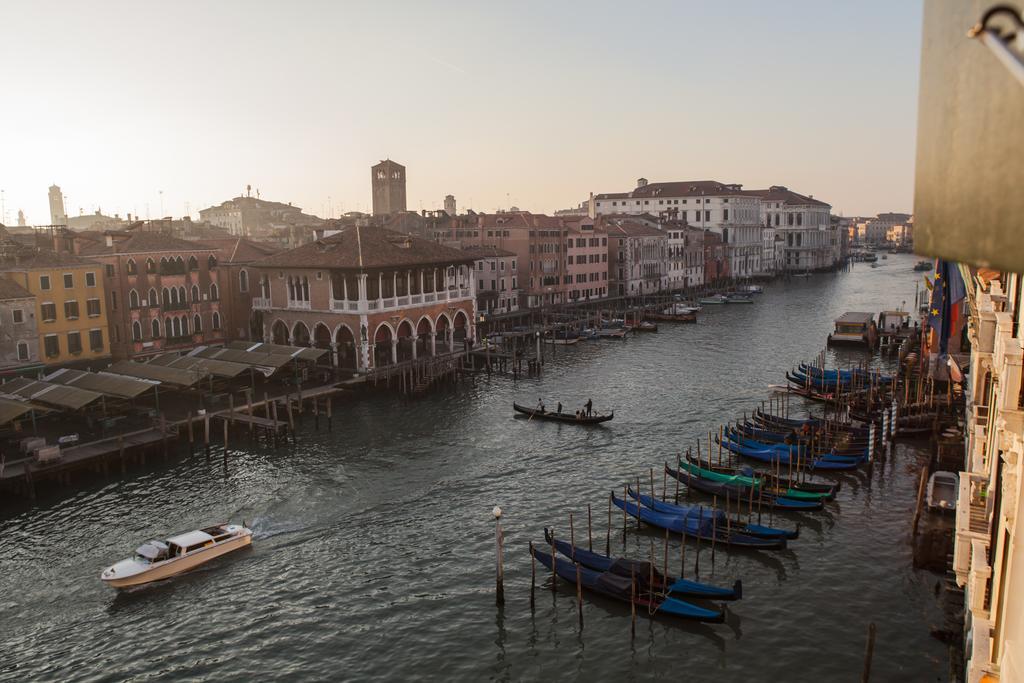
{"points": [[156, 560], [714, 299]]}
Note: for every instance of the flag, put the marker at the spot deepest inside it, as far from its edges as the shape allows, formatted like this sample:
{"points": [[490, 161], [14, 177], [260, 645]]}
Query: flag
{"points": [[948, 290], [955, 373]]}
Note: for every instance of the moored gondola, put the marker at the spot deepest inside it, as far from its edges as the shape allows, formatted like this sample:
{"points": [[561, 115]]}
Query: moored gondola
{"points": [[690, 512], [702, 525], [643, 570], [765, 492], [626, 589], [537, 414], [829, 489]]}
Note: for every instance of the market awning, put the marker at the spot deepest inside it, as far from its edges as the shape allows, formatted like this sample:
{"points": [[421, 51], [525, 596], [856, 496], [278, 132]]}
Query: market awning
{"points": [[217, 368], [299, 352], [118, 386], [47, 393], [265, 363], [174, 377], [11, 410]]}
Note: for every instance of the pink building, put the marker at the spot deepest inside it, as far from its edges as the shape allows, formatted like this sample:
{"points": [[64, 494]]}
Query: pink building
{"points": [[497, 278], [587, 259]]}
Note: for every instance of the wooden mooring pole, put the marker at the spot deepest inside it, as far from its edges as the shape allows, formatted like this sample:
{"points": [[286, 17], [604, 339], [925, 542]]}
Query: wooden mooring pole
{"points": [[500, 592], [869, 652]]}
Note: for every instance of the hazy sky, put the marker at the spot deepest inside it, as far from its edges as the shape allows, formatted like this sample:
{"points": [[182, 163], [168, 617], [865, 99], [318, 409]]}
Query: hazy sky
{"points": [[529, 103]]}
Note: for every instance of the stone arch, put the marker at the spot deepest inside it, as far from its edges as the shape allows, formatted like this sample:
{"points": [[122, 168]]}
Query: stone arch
{"points": [[195, 293], [424, 332], [461, 324], [133, 300], [321, 335], [136, 329], [406, 340], [216, 320], [382, 337], [131, 267], [155, 325], [214, 292], [348, 354], [279, 333], [153, 299], [193, 262], [441, 331], [197, 323], [150, 266], [243, 281], [300, 334]]}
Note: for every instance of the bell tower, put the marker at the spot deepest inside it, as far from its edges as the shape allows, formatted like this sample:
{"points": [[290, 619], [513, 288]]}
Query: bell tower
{"points": [[388, 182]]}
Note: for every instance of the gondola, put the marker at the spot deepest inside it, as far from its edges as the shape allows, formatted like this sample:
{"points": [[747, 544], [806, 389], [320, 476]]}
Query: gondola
{"points": [[562, 417], [764, 485], [844, 443], [769, 419], [791, 450], [723, 520], [626, 589], [830, 375], [644, 571], [776, 457], [736, 489], [701, 526], [816, 487]]}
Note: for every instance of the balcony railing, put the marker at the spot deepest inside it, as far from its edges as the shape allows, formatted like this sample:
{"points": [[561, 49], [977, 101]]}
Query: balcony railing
{"points": [[261, 303], [299, 305]]}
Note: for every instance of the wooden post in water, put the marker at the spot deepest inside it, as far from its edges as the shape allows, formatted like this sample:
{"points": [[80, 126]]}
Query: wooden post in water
{"points": [[226, 422], [624, 516], [869, 652], [120, 453], [572, 537], [191, 439], [291, 417], [632, 601], [920, 499], [206, 435], [714, 527], [608, 535], [498, 539], [328, 413], [579, 595], [590, 531], [533, 573], [316, 410], [554, 563]]}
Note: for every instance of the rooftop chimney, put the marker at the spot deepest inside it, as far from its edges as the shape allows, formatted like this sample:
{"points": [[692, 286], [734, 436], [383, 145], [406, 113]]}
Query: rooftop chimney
{"points": [[641, 182]]}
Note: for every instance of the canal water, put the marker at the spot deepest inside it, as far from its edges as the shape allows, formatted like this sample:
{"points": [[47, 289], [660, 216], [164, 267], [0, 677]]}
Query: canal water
{"points": [[374, 544]]}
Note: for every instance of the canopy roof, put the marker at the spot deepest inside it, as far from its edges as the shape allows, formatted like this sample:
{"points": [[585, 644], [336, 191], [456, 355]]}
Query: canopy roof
{"points": [[855, 318], [190, 538], [266, 363], [160, 373], [217, 368], [301, 352], [50, 394], [11, 410], [107, 383]]}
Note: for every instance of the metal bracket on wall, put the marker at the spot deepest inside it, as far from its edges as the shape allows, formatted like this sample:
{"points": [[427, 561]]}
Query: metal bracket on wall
{"points": [[1001, 30]]}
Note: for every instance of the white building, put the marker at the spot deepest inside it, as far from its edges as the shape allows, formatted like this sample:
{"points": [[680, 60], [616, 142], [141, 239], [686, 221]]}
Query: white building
{"points": [[723, 208], [804, 224]]}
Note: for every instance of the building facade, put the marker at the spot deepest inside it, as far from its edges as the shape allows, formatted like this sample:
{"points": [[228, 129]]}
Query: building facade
{"points": [[988, 557], [685, 253], [586, 259], [387, 180], [637, 257], [163, 293], [252, 217], [372, 296], [58, 216], [723, 208], [19, 336], [497, 279], [70, 309], [235, 257], [808, 241]]}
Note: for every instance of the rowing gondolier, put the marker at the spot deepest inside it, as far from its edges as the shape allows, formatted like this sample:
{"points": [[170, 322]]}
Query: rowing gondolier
{"points": [[590, 407]]}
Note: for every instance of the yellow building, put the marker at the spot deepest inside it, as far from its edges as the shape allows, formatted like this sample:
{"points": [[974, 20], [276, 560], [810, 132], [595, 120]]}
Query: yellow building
{"points": [[71, 307]]}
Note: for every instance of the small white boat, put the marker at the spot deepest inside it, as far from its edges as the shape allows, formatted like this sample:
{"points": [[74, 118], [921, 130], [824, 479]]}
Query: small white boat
{"points": [[681, 309], [754, 289], [156, 560], [736, 298], [714, 299], [943, 489]]}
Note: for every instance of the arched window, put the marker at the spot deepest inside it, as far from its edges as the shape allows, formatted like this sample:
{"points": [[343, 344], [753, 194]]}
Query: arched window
{"points": [[216, 320], [168, 328], [214, 292], [150, 266], [156, 328], [22, 350], [195, 293], [136, 331], [193, 263], [305, 289], [130, 266], [184, 326], [163, 265], [174, 296], [133, 299], [211, 262], [179, 265], [176, 326], [166, 297], [243, 281], [181, 295], [265, 287], [153, 301], [197, 323]]}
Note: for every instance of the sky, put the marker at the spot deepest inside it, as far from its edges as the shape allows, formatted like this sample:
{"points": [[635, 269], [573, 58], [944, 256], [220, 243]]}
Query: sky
{"points": [[162, 108]]}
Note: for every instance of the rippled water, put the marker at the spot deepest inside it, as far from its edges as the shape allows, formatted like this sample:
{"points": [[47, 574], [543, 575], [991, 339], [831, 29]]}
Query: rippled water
{"points": [[374, 550]]}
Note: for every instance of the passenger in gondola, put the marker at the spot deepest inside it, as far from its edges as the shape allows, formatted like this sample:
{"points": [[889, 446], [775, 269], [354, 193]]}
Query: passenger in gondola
{"points": [[792, 438], [590, 407], [579, 414], [540, 405]]}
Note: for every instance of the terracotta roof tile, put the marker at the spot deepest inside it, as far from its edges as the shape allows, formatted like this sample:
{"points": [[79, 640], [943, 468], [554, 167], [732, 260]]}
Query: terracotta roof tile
{"points": [[143, 242], [239, 249], [777, 193], [9, 289], [356, 248]]}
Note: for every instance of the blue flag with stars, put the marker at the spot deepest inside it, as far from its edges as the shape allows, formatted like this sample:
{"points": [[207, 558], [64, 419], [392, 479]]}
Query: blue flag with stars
{"points": [[948, 290]]}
